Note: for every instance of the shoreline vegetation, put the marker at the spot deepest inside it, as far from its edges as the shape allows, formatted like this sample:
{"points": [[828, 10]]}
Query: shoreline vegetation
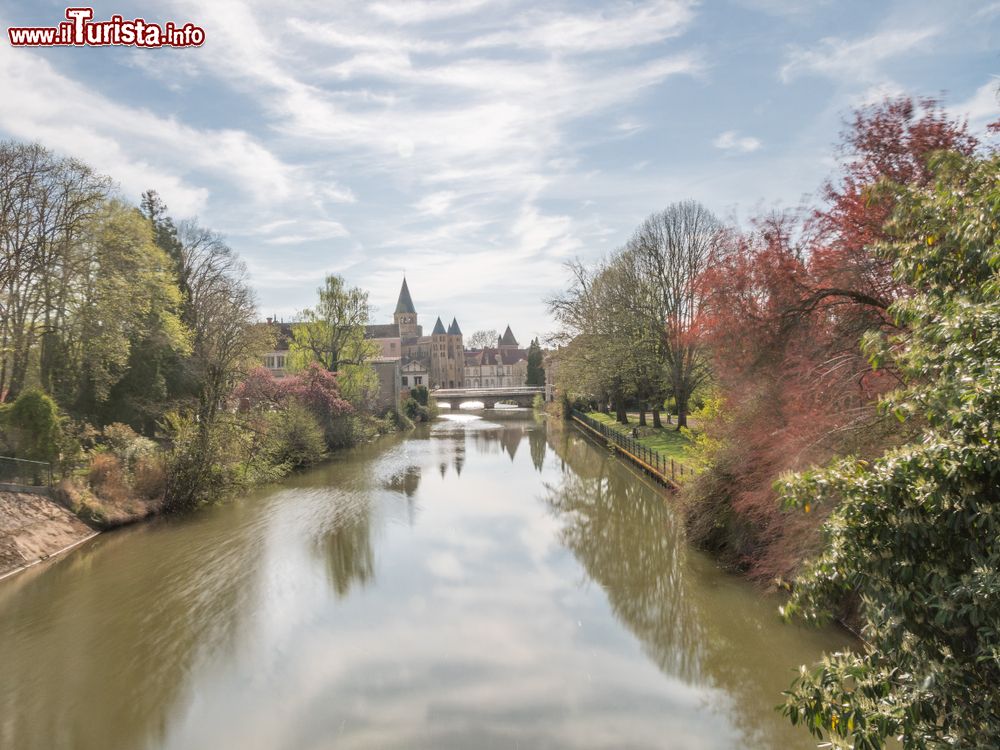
{"points": [[131, 351], [845, 354]]}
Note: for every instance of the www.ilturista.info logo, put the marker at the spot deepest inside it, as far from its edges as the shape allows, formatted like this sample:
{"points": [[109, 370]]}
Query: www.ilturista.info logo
{"points": [[79, 30]]}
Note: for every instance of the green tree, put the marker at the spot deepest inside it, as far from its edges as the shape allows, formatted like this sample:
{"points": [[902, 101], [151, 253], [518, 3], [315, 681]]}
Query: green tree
{"points": [[226, 344], [33, 426], [46, 203], [536, 373], [333, 332], [916, 533], [122, 295]]}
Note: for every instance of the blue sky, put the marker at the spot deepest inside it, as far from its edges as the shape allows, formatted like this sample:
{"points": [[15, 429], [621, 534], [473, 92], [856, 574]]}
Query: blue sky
{"points": [[479, 144]]}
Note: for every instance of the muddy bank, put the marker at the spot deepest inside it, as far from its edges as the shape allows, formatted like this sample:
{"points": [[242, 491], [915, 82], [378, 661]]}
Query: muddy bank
{"points": [[32, 527]]}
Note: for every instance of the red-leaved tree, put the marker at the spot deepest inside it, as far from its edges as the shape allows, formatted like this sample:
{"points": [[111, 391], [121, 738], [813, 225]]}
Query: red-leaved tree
{"points": [[787, 305]]}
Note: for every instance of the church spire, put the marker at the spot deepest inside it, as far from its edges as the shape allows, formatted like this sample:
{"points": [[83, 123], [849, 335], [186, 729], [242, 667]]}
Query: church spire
{"points": [[508, 339], [405, 303]]}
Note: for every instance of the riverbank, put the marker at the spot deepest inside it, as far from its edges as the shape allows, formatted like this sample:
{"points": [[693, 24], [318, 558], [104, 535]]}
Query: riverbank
{"points": [[33, 528], [667, 441]]}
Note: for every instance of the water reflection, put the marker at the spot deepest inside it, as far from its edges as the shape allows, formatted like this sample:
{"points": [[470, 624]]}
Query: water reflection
{"points": [[347, 549], [537, 445], [406, 481], [620, 533], [451, 589]]}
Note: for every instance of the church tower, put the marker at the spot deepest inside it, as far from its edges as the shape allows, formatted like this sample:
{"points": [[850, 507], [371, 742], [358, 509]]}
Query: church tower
{"points": [[406, 314], [439, 356], [456, 355], [507, 341]]}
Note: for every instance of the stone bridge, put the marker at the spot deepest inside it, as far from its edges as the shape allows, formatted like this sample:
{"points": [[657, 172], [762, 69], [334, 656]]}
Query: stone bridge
{"points": [[490, 397]]}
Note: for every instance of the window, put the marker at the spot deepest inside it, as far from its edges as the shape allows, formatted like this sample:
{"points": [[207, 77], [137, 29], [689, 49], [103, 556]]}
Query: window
{"points": [[418, 380], [392, 346], [404, 381], [281, 360]]}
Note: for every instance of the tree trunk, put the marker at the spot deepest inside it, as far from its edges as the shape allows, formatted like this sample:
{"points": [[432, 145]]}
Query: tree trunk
{"points": [[656, 418], [682, 412], [620, 414], [642, 414]]}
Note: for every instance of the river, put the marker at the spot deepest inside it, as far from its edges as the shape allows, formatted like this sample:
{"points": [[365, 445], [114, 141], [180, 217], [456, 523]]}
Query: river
{"points": [[482, 582]]}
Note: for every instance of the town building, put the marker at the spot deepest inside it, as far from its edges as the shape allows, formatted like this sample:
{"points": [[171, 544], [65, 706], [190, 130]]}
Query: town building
{"points": [[276, 360], [439, 360], [435, 361], [504, 366]]}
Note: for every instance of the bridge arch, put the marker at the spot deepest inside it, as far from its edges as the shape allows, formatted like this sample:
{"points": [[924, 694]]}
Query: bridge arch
{"points": [[488, 397]]}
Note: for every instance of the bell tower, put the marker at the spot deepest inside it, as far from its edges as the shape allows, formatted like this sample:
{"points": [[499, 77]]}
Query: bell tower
{"points": [[406, 315]]}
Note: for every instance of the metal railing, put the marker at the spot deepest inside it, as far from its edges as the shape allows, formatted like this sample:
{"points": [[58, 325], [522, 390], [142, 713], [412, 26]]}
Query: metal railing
{"points": [[19, 472], [666, 467], [491, 391]]}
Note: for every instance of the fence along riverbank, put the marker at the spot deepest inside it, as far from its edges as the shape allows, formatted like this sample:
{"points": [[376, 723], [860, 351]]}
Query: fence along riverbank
{"points": [[663, 469]]}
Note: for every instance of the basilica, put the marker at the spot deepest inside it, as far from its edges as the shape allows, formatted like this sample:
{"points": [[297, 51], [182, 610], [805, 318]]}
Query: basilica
{"points": [[441, 360]]}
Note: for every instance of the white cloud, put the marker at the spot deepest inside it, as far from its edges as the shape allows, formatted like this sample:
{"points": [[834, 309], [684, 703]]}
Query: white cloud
{"points": [[292, 231], [983, 107], [731, 140], [856, 60], [435, 204], [421, 11], [624, 26], [993, 9], [139, 148]]}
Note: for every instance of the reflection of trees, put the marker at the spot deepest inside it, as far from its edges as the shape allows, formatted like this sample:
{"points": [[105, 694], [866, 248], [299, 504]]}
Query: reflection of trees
{"points": [[615, 527], [347, 547], [536, 444], [694, 621], [406, 481]]}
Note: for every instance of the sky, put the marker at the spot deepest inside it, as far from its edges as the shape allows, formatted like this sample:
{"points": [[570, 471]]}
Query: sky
{"points": [[479, 145]]}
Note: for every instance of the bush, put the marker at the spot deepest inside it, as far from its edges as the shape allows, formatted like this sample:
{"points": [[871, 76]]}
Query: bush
{"points": [[319, 391], [297, 437], [420, 394], [149, 479], [415, 412], [106, 478], [127, 445], [34, 426], [200, 465]]}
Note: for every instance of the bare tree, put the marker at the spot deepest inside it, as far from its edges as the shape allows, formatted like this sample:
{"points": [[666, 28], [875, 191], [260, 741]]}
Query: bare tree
{"points": [[220, 311], [672, 248], [483, 338]]}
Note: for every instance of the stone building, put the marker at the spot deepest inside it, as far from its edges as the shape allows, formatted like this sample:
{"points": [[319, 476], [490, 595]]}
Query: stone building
{"points": [[436, 361], [504, 366]]}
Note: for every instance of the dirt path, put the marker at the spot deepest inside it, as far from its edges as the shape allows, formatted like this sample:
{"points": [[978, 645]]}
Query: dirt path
{"points": [[32, 527]]}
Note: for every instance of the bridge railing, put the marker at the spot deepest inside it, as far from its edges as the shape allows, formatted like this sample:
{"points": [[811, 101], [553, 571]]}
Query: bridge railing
{"points": [[666, 467], [19, 472], [511, 390]]}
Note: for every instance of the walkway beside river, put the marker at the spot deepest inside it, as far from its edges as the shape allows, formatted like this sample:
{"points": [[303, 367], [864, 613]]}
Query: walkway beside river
{"points": [[33, 528]]}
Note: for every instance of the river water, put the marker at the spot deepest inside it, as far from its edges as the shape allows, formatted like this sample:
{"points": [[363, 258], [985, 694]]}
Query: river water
{"points": [[486, 582]]}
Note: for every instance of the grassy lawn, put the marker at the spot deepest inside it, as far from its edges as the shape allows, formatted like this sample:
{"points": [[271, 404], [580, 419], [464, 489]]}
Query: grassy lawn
{"points": [[665, 440]]}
